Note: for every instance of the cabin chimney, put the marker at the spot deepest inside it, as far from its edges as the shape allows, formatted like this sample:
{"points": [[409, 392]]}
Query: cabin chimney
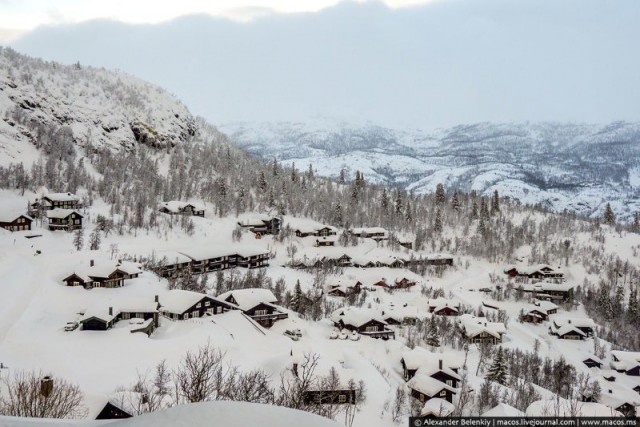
{"points": [[46, 386], [610, 391], [440, 364], [157, 298], [295, 369], [91, 263], [110, 311], [569, 321]]}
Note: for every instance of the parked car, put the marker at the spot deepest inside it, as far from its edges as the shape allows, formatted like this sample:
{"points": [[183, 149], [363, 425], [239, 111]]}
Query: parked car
{"points": [[71, 326], [343, 335], [484, 290], [296, 332], [333, 335], [291, 335], [136, 321], [355, 336]]}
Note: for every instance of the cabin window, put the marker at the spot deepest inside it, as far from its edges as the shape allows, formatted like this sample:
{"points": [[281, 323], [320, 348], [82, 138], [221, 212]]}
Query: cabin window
{"points": [[210, 310], [185, 316], [443, 393], [218, 310], [207, 303], [125, 316], [175, 316], [317, 398], [342, 399], [371, 329], [450, 383], [260, 312], [198, 305], [77, 221]]}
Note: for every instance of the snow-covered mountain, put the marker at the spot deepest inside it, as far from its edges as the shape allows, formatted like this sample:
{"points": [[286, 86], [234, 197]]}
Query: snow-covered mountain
{"points": [[578, 167], [41, 102]]}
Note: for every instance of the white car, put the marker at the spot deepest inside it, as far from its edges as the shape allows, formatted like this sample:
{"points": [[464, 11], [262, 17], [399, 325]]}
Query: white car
{"points": [[71, 326], [136, 321], [355, 336], [333, 335], [343, 335]]}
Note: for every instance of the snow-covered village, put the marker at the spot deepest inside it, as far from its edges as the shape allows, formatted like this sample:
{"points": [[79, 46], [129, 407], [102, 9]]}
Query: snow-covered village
{"points": [[156, 272]]}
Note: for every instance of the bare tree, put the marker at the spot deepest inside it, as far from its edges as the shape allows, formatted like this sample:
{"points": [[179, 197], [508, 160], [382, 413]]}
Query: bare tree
{"points": [[398, 409], [201, 374], [31, 394]]}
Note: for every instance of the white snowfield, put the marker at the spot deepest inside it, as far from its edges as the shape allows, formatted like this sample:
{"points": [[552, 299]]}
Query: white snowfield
{"points": [[230, 414]]}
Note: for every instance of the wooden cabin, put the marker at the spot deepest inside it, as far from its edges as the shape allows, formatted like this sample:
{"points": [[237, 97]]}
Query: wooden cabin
{"points": [[257, 303], [60, 201], [180, 304], [176, 207], [64, 219], [20, 223]]}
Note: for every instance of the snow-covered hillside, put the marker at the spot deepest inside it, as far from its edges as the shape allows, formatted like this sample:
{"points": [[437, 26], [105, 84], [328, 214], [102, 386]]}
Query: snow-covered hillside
{"points": [[93, 108], [560, 166]]}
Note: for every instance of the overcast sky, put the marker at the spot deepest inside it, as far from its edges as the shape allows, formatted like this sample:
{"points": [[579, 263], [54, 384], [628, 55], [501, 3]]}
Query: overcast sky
{"points": [[399, 63]]}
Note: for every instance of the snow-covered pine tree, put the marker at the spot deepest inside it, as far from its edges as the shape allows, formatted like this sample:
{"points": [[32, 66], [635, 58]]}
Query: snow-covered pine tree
{"points": [[432, 338], [384, 200], [262, 182], [495, 203], [437, 222], [455, 202], [78, 239], [441, 197], [341, 177], [609, 217], [94, 240], [498, 371]]}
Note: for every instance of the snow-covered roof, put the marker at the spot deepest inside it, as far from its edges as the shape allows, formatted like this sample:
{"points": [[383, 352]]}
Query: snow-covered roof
{"points": [[308, 226], [475, 325], [103, 268], [400, 313], [177, 206], [625, 359], [503, 410], [136, 305], [246, 299], [257, 219], [201, 253], [368, 230], [59, 213], [427, 385], [437, 407], [356, 316], [578, 322], [546, 306], [179, 300], [428, 363], [566, 329], [439, 304], [172, 257], [61, 197], [564, 408]]}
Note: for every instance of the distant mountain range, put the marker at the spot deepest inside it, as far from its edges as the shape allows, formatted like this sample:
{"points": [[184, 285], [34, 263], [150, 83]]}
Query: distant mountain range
{"points": [[578, 167]]}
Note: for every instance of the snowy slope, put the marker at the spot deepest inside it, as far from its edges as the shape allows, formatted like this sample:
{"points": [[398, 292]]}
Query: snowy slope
{"points": [[44, 103], [229, 414], [561, 166]]}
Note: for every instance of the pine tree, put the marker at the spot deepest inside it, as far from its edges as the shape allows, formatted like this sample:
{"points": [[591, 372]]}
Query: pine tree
{"points": [[499, 371], [384, 200], [437, 223], [337, 213], [341, 177], [635, 227], [310, 174], [274, 167], [94, 240], [398, 206], [495, 203], [407, 213], [632, 307], [294, 173], [482, 228], [474, 211], [271, 201], [78, 239], [609, 216], [433, 339], [455, 202], [441, 198], [297, 298], [484, 210], [262, 182]]}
